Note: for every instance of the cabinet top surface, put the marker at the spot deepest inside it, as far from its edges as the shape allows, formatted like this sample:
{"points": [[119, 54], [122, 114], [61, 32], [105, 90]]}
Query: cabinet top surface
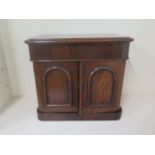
{"points": [[78, 38]]}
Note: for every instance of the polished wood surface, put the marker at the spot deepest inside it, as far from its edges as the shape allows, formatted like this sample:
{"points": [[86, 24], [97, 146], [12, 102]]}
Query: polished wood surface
{"points": [[76, 116], [78, 52], [57, 86], [102, 83], [78, 38], [100, 77], [79, 77]]}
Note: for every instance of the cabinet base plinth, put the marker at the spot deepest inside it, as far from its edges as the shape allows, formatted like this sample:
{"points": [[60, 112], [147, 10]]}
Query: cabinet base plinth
{"points": [[115, 115]]}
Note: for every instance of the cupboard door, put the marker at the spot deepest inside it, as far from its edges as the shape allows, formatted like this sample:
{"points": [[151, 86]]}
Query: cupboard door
{"points": [[101, 85], [57, 86]]}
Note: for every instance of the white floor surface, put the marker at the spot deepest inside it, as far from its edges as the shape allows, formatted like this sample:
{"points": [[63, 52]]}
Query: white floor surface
{"points": [[19, 117]]}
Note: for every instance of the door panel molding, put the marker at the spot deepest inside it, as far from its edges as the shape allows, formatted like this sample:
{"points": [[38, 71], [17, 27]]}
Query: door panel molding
{"points": [[67, 74], [57, 86], [102, 81], [93, 73]]}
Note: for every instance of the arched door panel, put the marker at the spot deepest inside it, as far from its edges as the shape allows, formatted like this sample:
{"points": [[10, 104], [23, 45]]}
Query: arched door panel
{"points": [[101, 85], [57, 85]]}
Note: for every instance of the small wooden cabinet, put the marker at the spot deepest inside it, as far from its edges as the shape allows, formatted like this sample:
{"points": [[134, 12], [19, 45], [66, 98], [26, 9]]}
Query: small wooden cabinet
{"points": [[79, 77]]}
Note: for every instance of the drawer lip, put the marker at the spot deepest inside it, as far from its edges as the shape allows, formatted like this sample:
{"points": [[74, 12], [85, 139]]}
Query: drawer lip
{"points": [[43, 42], [79, 60], [76, 39]]}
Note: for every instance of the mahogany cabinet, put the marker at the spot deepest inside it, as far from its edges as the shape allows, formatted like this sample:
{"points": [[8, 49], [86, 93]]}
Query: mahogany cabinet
{"points": [[79, 77]]}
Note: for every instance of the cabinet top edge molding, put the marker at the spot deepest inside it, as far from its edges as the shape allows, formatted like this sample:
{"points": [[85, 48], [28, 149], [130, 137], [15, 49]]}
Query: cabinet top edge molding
{"points": [[78, 38]]}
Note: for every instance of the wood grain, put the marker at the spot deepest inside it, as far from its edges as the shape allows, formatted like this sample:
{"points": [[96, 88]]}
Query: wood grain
{"points": [[101, 87], [57, 86], [79, 77]]}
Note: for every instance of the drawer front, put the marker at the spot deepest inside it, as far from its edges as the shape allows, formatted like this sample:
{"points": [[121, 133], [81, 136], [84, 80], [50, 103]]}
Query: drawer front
{"points": [[101, 86], [57, 86], [51, 52], [79, 51], [102, 51]]}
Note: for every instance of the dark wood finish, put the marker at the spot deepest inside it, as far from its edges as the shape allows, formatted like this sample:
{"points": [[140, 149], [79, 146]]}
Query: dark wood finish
{"points": [[79, 77], [78, 39], [46, 52], [102, 84], [75, 116], [57, 86]]}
